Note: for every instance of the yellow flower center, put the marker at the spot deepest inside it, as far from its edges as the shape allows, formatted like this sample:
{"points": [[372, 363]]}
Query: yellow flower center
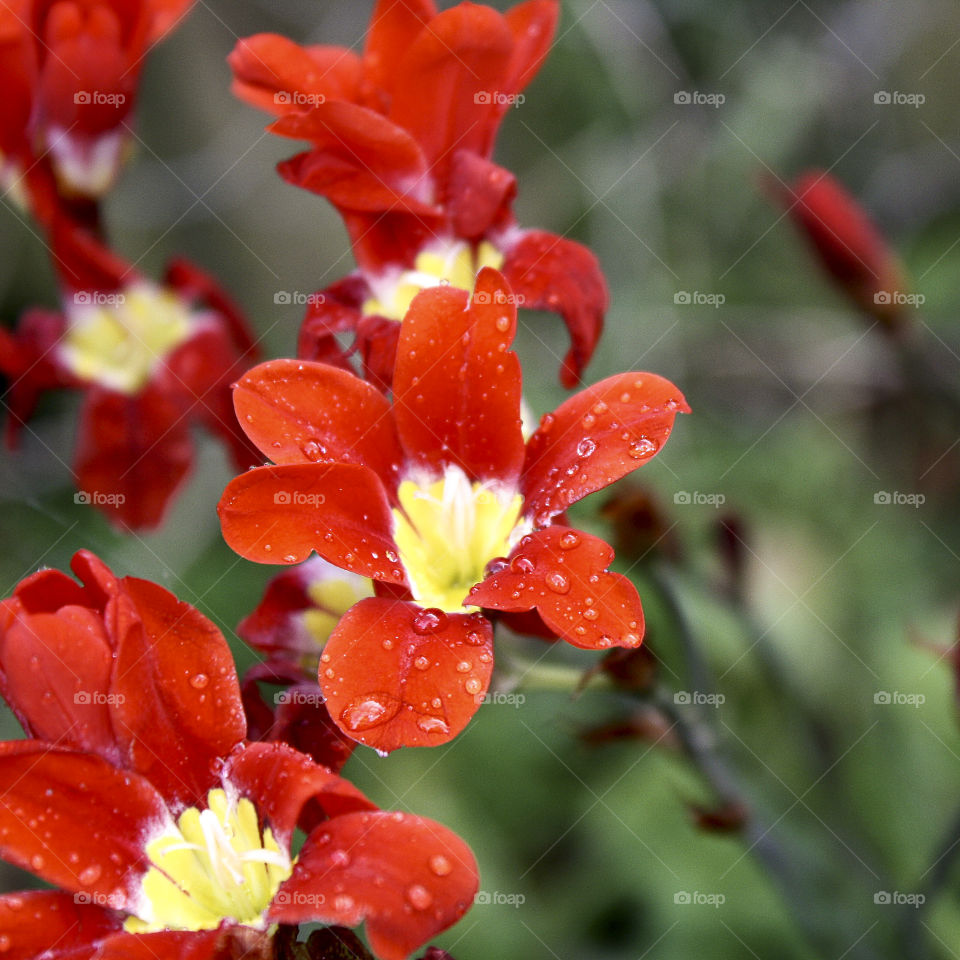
{"points": [[447, 532], [213, 865], [455, 263], [118, 339], [332, 598]]}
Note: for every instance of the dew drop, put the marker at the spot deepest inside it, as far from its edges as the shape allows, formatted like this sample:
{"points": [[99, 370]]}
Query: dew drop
{"points": [[590, 614], [419, 897], [644, 447], [522, 565], [473, 686], [440, 865], [569, 540], [90, 875], [586, 447], [199, 680], [558, 582], [340, 858], [422, 663], [368, 711], [600, 408], [589, 420], [433, 725], [464, 666], [4, 943], [475, 639], [386, 643], [503, 324], [429, 621], [289, 558], [312, 450], [343, 903], [37, 862]]}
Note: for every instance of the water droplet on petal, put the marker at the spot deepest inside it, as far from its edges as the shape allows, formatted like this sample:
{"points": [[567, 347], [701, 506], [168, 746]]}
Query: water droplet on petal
{"points": [[586, 447], [4, 943], [419, 897], [433, 725], [422, 663], [90, 875], [473, 686], [558, 582], [429, 621], [503, 324], [199, 680], [340, 858], [464, 666], [522, 565], [644, 447], [343, 903], [440, 865], [37, 862], [590, 614], [569, 540], [368, 711]]}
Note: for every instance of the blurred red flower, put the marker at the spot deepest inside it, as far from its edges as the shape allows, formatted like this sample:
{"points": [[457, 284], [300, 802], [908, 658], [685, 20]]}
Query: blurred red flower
{"points": [[438, 499], [165, 832], [401, 143]]}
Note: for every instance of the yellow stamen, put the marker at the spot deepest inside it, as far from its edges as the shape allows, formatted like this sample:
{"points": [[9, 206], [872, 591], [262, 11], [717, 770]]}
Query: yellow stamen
{"points": [[454, 263], [213, 865], [118, 339], [447, 532], [332, 597]]}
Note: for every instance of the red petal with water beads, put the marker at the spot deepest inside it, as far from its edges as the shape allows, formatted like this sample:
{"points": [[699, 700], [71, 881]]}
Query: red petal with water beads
{"points": [[175, 683], [281, 783], [596, 437], [480, 195], [464, 52], [556, 274], [302, 412], [281, 514], [225, 943], [136, 450], [457, 384], [396, 675], [73, 819], [407, 877], [53, 925], [562, 573], [275, 74]]}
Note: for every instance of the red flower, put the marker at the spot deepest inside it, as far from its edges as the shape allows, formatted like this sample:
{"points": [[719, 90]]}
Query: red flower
{"points": [[151, 360], [401, 144], [166, 833], [848, 245], [70, 72], [438, 499]]}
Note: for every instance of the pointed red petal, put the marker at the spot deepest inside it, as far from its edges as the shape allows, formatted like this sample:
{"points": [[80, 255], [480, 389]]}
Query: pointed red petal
{"points": [[533, 25], [406, 876], [395, 675], [175, 683], [281, 514], [275, 74], [553, 273], [73, 819], [301, 412], [462, 58], [562, 573], [596, 437], [393, 27], [457, 384], [280, 782], [133, 453], [480, 195], [52, 924]]}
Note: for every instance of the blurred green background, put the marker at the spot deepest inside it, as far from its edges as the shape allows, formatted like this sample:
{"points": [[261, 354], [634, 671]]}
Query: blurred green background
{"points": [[802, 414]]}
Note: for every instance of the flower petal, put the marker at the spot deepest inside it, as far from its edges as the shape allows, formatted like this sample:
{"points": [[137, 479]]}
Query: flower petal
{"points": [[280, 514], [395, 675], [52, 924], [133, 452], [408, 877], [281, 782], [553, 273], [302, 412], [73, 819], [175, 683], [457, 385], [225, 943], [596, 437], [480, 195], [562, 573], [393, 27], [463, 52], [533, 25]]}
